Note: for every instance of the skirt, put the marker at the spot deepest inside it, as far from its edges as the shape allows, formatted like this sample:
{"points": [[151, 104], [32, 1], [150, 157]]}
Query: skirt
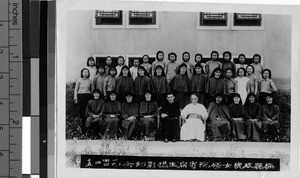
{"points": [[193, 129]]}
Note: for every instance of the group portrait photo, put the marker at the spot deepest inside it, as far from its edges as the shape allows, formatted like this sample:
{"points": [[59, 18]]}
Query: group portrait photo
{"points": [[148, 82]]}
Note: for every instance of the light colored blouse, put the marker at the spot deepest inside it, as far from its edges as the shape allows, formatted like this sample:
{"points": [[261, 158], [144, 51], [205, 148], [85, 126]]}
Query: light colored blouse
{"points": [[192, 109], [83, 86]]}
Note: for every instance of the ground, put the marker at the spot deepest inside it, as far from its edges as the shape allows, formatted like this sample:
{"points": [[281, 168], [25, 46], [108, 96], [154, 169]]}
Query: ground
{"points": [[74, 148]]}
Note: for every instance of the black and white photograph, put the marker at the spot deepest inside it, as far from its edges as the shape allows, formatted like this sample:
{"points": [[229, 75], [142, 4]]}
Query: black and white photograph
{"points": [[174, 89]]}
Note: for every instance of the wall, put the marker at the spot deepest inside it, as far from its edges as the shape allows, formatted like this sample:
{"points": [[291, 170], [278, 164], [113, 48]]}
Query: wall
{"points": [[177, 32]]}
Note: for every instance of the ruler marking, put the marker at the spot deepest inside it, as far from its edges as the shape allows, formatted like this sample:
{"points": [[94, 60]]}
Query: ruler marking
{"points": [[14, 29]]}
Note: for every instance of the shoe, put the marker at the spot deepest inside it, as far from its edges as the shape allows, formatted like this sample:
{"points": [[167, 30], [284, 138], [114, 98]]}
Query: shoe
{"points": [[166, 140]]}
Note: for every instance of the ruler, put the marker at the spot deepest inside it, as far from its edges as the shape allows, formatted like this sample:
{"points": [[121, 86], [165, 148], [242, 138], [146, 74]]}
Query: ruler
{"points": [[10, 88]]}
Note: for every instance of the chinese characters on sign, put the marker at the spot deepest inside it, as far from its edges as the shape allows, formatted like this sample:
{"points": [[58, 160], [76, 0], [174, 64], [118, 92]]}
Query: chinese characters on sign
{"points": [[179, 163]]}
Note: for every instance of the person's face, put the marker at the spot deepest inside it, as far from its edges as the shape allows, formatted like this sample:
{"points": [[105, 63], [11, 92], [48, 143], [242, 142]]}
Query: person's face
{"points": [[217, 74], [183, 70], [91, 62], [172, 58], [121, 61], [228, 73], [96, 95], [226, 57], [241, 73], [85, 73], [129, 99], [242, 59], [198, 58], [249, 70], [108, 61], [113, 72], [198, 70], [171, 98], [186, 57], [125, 72], [148, 97], [266, 74], [251, 99], [160, 56], [236, 100], [219, 99], [256, 59], [101, 70], [145, 59], [112, 97], [158, 71], [141, 72], [136, 63], [214, 56], [269, 100], [194, 99]]}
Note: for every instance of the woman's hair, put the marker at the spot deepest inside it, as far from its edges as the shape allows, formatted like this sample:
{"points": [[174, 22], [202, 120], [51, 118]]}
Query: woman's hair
{"points": [[145, 55], [241, 68], [122, 58], [162, 73], [227, 52], [184, 54], [172, 53], [241, 56], [158, 53], [215, 70], [107, 58], [198, 65], [228, 70], [182, 65], [219, 95], [270, 75], [98, 67], [145, 71], [125, 67], [214, 52], [81, 73], [90, 59], [248, 96], [194, 95], [198, 54], [257, 55], [236, 95], [251, 67]]}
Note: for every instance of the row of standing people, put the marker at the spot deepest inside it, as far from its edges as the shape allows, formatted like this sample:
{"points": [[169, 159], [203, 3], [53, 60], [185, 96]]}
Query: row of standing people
{"points": [[130, 120]]}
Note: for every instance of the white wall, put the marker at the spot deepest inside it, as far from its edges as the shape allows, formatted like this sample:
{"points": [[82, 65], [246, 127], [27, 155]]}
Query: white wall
{"points": [[178, 32]]}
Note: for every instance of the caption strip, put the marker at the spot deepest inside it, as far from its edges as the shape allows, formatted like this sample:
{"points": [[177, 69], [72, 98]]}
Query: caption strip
{"points": [[179, 163]]}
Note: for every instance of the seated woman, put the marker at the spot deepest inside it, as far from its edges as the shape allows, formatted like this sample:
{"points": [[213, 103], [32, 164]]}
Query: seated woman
{"points": [[129, 114], [253, 117], [148, 114], [93, 112], [194, 116], [237, 113], [111, 112], [270, 115], [218, 118]]}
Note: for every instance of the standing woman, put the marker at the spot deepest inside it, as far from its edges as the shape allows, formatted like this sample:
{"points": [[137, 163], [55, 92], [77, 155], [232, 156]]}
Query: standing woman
{"points": [[198, 83], [91, 66], [180, 85], [148, 114], [121, 63], [212, 64], [159, 61], [242, 59], [243, 84], [194, 118], [266, 86], [161, 86], [230, 86], [215, 84], [111, 113], [199, 60], [253, 118], [129, 116], [108, 64], [237, 114], [171, 67], [146, 64], [270, 115], [189, 65], [98, 81], [110, 82], [82, 93], [228, 64], [253, 82], [142, 84], [124, 84], [258, 67], [218, 118]]}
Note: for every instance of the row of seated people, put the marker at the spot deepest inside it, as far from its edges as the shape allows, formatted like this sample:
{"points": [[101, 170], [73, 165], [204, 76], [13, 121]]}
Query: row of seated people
{"points": [[112, 120]]}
